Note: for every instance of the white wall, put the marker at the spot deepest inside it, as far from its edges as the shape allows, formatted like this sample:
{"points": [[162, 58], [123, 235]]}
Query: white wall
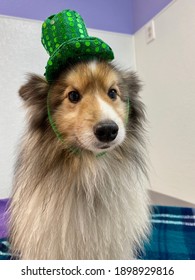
{"points": [[167, 67], [21, 52]]}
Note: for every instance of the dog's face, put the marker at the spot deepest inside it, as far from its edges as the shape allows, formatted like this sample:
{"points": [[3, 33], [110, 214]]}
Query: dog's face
{"points": [[88, 104], [91, 114]]}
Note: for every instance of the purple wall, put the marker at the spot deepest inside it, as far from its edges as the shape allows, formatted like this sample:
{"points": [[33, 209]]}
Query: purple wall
{"points": [[111, 15], [125, 16], [144, 10]]}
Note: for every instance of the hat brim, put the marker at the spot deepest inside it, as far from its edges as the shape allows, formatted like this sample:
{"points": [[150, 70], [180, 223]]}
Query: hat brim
{"points": [[75, 50]]}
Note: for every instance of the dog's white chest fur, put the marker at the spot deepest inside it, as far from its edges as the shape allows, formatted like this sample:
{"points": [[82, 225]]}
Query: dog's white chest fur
{"points": [[100, 214]]}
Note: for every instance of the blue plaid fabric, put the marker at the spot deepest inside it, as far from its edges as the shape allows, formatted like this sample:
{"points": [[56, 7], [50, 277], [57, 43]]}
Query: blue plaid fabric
{"points": [[172, 236], [4, 249]]}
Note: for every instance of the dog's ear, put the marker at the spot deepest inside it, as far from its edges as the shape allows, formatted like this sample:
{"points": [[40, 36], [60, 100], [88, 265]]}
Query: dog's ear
{"points": [[34, 93], [131, 83], [130, 87], [35, 90]]}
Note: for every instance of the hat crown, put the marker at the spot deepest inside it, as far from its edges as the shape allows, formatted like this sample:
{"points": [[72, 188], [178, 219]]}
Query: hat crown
{"points": [[60, 28], [65, 38]]}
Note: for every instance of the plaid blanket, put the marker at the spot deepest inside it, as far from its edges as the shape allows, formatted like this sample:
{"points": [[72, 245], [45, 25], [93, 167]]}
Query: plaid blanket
{"points": [[4, 245], [172, 236]]}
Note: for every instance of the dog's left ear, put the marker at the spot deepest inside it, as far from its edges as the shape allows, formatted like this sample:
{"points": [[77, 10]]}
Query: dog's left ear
{"points": [[130, 87], [131, 84]]}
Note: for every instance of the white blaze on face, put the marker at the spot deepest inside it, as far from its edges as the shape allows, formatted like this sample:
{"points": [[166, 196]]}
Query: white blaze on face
{"points": [[108, 113], [88, 139], [93, 66]]}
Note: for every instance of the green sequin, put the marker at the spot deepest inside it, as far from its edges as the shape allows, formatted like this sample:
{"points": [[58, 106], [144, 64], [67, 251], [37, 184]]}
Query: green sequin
{"points": [[77, 45], [81, 30], [55, 40], [104, 46], [53, 27], [47, 37], [51, 49], [87, 43], [50, 62], [70, 19], [75, 35], [97, 49], [57, 45], [69, 14]]}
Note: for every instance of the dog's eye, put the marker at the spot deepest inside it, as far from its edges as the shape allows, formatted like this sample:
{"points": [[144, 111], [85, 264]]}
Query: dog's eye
{"points": [[74, 96], [112, 93]]}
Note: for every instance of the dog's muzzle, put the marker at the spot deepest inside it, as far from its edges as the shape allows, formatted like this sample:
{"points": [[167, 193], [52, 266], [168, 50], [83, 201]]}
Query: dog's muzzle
{"points": [[106, 131]]}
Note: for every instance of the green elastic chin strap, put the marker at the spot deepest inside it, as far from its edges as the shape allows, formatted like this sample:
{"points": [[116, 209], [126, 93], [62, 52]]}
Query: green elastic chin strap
{"points": [[75, 150]]}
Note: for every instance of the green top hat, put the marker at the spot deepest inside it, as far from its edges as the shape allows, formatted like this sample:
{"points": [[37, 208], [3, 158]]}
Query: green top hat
{"points": [[65, 38]]}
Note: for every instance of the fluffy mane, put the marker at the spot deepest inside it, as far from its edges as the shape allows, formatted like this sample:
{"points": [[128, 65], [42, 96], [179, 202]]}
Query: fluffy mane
{"points": [[78, 206]]}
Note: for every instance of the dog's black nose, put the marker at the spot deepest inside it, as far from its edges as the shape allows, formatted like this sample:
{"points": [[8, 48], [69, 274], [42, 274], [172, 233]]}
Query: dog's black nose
{"points": [[106, 131]]}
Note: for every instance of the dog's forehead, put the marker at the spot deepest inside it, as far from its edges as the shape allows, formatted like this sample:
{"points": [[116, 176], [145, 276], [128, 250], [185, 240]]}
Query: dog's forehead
{"points": [[93, 73]]}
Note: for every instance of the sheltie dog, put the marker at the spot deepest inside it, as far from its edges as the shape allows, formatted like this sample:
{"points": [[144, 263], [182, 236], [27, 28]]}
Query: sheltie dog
{"points": [[78, 191]]}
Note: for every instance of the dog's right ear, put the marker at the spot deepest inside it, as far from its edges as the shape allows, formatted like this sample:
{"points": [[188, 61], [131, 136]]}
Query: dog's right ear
{"points": [[34, 92]]}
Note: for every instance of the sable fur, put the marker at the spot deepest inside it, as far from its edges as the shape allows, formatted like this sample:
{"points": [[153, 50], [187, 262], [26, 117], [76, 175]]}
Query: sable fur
{"points": [[69, 206]]}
